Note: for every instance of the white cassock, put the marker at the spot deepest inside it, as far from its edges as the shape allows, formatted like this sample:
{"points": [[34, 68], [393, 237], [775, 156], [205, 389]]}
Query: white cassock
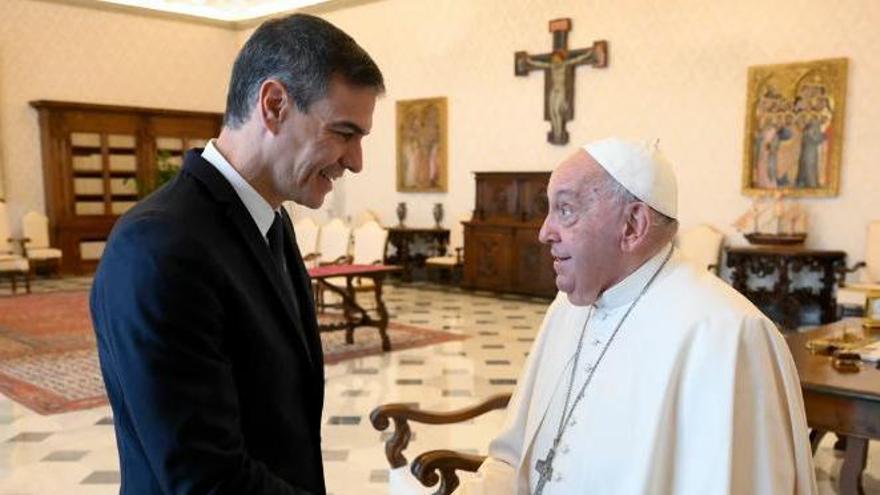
{"points": [[697, 394]]}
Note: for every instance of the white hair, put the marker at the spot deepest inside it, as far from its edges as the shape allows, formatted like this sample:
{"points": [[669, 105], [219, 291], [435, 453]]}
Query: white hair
{"points": [[614, 191]]}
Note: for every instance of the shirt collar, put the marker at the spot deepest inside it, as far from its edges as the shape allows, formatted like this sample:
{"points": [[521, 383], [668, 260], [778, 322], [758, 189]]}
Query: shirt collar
{"points": [[629, 288], [260, 209]]}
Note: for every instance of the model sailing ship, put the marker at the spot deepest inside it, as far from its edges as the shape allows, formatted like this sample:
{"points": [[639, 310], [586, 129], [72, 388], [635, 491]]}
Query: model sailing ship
{"points": [[774, 221]]}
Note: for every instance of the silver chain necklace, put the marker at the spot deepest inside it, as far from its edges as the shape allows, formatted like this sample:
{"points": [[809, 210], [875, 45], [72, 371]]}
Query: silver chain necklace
{"points": [[544, 466]]}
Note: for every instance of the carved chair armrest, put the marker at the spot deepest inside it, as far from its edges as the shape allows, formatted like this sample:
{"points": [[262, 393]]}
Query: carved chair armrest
{"points": [[342, 260], [441, 465], [843, 270], [401, 414], [311, 257]]}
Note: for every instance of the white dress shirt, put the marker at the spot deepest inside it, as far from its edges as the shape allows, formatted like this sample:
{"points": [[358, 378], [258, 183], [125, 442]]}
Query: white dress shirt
{"points": [[260, 209]]}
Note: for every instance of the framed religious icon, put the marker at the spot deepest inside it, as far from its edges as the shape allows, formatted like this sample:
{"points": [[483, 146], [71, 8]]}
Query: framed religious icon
{"points": [[421, 145], [794, 128]]}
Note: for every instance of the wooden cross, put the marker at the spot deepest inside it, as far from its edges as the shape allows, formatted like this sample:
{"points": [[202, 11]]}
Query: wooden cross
{"points": [[558, 67]]}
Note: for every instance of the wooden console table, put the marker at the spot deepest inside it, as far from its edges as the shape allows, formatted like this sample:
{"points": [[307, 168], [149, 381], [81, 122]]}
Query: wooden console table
{"points": [[403, 238], [783, 302], [845, 403]]}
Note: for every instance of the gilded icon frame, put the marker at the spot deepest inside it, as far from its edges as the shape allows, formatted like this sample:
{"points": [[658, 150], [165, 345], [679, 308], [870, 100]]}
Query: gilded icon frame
{"points": [[422, 143], [794, 128]]}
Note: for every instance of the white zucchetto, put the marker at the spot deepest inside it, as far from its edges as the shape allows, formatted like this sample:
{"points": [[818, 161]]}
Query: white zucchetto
{"points": [[641, 168]]}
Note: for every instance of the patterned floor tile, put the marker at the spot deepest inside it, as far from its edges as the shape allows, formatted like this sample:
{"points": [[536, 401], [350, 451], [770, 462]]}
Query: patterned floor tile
{"points": [[457, 393], [379, 476], [30, 436], [334, 455], [450, 376], [102, 478], [502, 381], [355, 393], [365, 371], [409, 381], [65, 455], [344, 420]]}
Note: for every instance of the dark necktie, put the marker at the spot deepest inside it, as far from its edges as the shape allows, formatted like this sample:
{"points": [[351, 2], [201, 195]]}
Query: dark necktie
{"points": [[275, 235]]}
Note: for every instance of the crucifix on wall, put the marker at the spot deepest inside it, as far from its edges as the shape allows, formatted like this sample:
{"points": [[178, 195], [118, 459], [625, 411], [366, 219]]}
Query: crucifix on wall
{"points": [[558, 67]]}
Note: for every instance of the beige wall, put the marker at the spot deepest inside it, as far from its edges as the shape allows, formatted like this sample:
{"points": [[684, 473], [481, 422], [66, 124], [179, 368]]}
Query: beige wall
{"points": [[59, 52], [677, 71]]}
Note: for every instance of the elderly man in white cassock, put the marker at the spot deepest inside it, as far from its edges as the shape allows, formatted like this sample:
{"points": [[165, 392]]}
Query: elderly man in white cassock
{"points": [[649, 375]]}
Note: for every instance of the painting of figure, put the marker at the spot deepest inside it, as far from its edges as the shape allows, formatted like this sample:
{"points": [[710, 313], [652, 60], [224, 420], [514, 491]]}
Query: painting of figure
{"points": [[794, 128], [421, 145]]}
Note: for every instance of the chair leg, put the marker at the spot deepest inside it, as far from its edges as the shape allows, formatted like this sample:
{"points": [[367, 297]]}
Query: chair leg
{"points": [[27, 283], [12, 277]]}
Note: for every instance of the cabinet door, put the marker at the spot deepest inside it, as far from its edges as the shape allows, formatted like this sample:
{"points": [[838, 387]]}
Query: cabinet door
{"points": [[534, 272], [170, 138], [100, 164], [497, 198], [533, 198], [487, 257]]}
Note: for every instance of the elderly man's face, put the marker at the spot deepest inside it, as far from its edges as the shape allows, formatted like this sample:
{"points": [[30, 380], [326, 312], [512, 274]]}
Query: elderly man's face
{"points": [[582, 229]]}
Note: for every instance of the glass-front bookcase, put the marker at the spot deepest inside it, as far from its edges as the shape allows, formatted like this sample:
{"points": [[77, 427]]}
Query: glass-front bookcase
{"points": [[99, 160]]}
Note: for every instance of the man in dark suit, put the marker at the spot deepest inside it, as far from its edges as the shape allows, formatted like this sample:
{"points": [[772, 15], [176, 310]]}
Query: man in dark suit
{"points": [[206, 331]]}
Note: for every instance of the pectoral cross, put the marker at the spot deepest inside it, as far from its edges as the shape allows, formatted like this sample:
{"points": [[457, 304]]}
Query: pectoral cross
{"points": [[545, 470], [558, 67]]}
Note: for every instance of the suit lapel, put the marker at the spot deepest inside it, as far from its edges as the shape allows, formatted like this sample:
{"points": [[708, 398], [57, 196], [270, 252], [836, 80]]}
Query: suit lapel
{"points": [[245, 226], [303, 292]]}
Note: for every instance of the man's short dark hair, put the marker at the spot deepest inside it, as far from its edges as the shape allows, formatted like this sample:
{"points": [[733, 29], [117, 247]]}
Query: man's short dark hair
{"points": [[303, 52]]}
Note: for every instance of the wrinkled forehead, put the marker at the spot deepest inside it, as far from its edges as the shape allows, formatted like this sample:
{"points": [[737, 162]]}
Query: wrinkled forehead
{"points": [[575, 176]]}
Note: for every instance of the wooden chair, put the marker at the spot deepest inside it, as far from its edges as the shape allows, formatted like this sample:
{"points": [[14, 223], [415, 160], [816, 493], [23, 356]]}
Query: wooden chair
{"points": [[855, 294], [702, 244], [367, 248], [12, 264], [434, 465], [307, 239], [453, 260], [15, 267], [334, 240], [35, 227]]}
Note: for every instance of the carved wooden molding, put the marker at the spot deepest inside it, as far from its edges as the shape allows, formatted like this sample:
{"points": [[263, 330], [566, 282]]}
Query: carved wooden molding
{"points": [[441, 465]]}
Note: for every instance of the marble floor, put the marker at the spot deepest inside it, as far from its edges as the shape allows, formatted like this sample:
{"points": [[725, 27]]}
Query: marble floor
{"points": [[75, 453]]}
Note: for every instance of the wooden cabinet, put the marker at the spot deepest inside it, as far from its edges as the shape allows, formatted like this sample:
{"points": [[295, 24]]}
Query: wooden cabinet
{"points": [[98, 160], [502, 251]]}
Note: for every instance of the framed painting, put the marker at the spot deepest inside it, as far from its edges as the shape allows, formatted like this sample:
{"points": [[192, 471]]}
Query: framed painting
{"points": [[421, 145], [794, 128]]}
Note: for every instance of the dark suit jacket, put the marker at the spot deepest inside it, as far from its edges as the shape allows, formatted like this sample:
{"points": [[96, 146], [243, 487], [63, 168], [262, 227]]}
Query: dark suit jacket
{"points": [[215, 377]]}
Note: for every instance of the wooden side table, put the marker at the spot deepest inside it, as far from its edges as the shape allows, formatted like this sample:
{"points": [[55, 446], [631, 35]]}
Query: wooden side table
{"points": [[783, 301], [403, 238]]}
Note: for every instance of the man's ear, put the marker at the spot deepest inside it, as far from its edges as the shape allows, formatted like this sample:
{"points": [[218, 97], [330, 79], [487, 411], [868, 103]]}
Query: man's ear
{"points": [[637, 225], [273, 104]]}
